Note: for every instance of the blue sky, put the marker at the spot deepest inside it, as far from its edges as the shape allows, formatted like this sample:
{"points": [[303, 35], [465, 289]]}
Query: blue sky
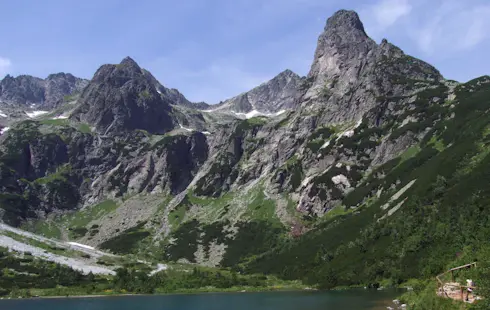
{"points": [[214, 49]]}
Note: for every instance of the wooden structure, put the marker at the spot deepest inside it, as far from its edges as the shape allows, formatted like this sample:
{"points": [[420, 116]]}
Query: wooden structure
{"points": [[452, 286]]}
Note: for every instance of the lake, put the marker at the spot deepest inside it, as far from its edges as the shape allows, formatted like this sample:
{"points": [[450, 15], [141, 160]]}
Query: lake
{"points": [[351, 300]]}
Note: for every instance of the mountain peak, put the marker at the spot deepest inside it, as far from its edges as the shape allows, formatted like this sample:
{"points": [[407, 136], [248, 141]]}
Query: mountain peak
{"points": [[346, 23], [287, 73], [129, 62]]}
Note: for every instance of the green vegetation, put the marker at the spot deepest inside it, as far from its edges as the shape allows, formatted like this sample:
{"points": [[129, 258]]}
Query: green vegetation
{"points": [[68, 98], [60, 176], [145, 94], [55, 122], [444, 212], [83, 217], [423, 297], [84, 128], [26, 276], [127, 241], [261, 208], [76, 222], [44, 228], [410, 152]]}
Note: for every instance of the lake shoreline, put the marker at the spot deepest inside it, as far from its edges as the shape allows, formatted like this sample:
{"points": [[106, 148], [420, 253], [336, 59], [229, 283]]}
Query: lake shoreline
{"points": [[242, 290], [218, 300], [182, 292]]}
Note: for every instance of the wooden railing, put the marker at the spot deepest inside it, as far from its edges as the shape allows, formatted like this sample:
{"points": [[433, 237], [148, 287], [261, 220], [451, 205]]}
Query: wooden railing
{"points": [[440, 282]]}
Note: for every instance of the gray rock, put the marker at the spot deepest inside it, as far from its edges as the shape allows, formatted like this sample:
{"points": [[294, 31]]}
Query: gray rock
{"points": [[280, 93], [45, 94], [121, 98]]}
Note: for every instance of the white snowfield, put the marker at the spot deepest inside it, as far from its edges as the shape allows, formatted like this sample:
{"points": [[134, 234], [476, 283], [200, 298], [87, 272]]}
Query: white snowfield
{"points": [[4, 130], [160, 267], [76, 264], [247, 115], [84, 265], [82, 245], [2, 114], [34, 114], [61, 117], [185, 128], [255, 113]]}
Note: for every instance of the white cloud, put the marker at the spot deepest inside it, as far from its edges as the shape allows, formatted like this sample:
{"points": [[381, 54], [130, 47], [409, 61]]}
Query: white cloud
{"points": [[441, 27], [384, 14], [454, 26], [5, 65], [388, 12]]}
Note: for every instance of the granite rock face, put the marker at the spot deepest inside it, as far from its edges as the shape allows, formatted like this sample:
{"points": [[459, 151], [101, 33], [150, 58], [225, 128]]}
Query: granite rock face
{"points": [[46, 94], [280, 93], [350, 71], [122, 98]]}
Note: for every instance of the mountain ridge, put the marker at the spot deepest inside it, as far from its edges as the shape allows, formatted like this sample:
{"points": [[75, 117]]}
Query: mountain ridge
{"points": [[356, 183]]}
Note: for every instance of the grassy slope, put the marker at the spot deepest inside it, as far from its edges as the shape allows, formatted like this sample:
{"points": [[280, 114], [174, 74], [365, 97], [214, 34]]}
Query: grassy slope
{"points": [[439, 218]]}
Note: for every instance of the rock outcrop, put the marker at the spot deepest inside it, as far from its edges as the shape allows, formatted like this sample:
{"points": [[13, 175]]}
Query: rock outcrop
{"points": [[280, 93], [46, 94], [122, 98]]}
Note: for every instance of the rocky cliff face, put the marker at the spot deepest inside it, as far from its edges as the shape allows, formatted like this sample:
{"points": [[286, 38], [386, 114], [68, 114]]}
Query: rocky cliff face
{"points": [[280, 93], [363, 107], [122, 98], [46, 94], [350, 71]]}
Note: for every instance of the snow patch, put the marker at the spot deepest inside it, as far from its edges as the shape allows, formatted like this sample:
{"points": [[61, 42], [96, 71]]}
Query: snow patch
{"points": [[160, 267], [279, 112], [341, 179], [207, 133], [325, 145], [61, 117], [209, 111], [349, 133], [81, 245], [306, 181], [2, 114], [159, 92], [185, 128], [398, 194], [248, 115], [34, 114], [359, 122], [4, 130]]}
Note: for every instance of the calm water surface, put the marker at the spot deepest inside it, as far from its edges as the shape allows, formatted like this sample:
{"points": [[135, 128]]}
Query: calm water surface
{"points": [[349, 300]]}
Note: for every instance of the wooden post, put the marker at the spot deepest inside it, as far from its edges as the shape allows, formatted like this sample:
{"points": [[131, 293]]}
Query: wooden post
{"points": [[462, 297]]}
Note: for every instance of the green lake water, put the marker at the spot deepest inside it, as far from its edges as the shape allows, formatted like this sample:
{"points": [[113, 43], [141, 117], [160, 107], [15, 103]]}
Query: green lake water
{"points": [[349, 300]]}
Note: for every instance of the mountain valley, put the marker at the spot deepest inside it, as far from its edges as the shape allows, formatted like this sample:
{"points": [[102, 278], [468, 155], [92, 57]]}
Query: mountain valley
{"points": [[369, 171]]}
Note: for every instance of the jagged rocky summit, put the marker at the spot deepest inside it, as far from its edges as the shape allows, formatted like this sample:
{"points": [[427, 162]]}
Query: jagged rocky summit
{"points": [[44, 93], [279, 94]]}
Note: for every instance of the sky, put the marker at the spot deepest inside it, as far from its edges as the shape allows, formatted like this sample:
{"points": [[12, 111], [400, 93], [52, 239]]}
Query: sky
{"points": [[215, 49]]}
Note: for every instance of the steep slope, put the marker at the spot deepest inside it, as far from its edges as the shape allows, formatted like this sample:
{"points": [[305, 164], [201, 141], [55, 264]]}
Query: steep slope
{"points": [[367, 164], [416, 213], [121, 98], [280, 93], [46, 94], [173, 95]]}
